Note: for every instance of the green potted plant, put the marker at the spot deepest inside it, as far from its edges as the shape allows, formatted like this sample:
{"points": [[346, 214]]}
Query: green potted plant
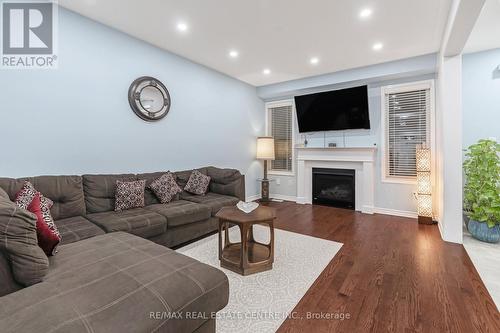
{"points": [[482, 190]]}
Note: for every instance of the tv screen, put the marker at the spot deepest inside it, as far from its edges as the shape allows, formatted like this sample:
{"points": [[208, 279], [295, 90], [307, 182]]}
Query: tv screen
{"points": [[333, 110]]}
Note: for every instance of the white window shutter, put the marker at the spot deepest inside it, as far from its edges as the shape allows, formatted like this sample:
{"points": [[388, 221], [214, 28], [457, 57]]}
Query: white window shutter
{"points": [[281, 131], [407, 125]]}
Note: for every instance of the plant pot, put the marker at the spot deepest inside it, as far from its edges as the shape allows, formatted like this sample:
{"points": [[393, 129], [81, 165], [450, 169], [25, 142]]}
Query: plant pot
{"points": [[481, 231]]}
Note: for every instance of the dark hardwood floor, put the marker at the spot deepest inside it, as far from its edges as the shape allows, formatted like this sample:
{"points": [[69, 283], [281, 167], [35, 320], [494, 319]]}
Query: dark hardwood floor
{"points": [[391, 275]]}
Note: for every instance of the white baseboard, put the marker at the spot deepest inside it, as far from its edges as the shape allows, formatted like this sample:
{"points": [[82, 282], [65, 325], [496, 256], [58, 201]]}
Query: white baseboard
{"points": [[301, 200], [440, 230], [367, 209], [253, 197], [283, 197], [395, 212], [273, 196]]}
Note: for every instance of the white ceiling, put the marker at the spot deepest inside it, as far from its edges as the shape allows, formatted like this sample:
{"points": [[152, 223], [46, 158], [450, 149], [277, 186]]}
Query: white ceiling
{"points": [[281, 35], [486, 32]]}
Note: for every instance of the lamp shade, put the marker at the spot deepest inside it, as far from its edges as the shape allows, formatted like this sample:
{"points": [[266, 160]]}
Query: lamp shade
{"points": [[265, 148]]}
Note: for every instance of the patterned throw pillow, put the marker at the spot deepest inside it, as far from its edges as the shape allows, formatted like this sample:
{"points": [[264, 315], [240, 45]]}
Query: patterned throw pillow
{"points": [[129, 194], [197, 183], [30, 199], [26, 195], [165, 187]]}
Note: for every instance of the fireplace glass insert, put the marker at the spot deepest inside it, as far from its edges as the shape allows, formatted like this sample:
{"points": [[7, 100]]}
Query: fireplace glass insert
{"points": [[334, 187]]}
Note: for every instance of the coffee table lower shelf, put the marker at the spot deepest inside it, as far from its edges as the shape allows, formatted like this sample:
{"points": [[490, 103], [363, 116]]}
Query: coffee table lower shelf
{"points": [[259, 258]]}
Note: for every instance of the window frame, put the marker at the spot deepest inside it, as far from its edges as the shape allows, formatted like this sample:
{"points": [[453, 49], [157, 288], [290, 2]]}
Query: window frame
{"points": [[275, 104], [397, 88]]}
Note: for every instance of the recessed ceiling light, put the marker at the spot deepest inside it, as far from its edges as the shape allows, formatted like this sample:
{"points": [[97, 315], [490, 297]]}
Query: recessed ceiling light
{"points": [[266, 71], [182, 26], [378, 46], [365, 13], [314, 60], [233, 54]]}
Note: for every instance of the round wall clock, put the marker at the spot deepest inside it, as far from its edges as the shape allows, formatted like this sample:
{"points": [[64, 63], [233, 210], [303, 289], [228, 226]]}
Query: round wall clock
{"points": [[149, 98]]}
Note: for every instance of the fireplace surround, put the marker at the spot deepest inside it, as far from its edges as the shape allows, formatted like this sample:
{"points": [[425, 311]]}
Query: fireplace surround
{"points": [[360, 159]]}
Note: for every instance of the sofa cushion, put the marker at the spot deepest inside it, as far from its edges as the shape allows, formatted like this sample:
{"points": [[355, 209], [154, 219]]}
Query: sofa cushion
{"points": [[181, 212], [8, 284], [77, 228], [227, 182], [19, 244], [186, 233], [138, 221], [232, 189], [222, 176], [213, 200], [129, 194], [100, 191], [111, 283], [65, 191]]}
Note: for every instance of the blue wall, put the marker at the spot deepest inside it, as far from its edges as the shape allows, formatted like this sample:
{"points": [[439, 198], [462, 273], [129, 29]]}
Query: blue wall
{"points": [[481, 96], [76, 119]]}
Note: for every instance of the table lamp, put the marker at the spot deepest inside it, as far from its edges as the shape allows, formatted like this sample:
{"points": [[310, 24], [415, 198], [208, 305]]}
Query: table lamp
{"points": [[265, 151]]}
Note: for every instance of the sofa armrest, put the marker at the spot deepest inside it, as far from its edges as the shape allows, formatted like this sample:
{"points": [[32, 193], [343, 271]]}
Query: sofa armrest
{"points": [[235, 188], [8, 284]]}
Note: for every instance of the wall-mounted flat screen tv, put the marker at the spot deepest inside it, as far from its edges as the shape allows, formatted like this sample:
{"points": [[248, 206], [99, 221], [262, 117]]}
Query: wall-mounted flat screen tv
{"points": [[333, 110]]}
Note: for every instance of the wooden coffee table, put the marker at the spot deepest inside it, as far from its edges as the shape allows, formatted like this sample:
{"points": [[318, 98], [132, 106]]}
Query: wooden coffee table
{"points": [[248, 256]]}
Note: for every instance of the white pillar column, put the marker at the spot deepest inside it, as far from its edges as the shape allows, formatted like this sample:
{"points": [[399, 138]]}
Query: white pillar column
{"points": [[449, 149]]}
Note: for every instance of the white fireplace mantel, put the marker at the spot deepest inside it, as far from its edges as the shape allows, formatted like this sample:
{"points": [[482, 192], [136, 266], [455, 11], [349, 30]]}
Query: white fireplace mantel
{"points": [[359, 159]]}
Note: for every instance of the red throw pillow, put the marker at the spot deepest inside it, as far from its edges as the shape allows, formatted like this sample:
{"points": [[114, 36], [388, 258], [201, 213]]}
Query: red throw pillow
{"points": [[47, 234], [30, 199]]}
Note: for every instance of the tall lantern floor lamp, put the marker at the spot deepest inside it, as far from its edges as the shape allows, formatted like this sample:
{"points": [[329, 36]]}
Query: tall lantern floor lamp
{"points": [[265, 151], [424, 185]]}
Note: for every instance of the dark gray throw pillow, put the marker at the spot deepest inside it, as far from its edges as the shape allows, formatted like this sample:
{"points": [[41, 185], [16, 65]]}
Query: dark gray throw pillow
{"points": [[18, 242]]}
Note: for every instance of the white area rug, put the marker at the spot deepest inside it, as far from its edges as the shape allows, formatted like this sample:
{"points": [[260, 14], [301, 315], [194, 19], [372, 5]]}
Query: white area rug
{"points": [[486, 259], [262, 301]]}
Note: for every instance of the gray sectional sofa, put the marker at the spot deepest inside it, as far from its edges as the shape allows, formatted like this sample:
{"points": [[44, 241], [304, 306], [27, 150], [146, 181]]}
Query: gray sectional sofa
{"points": [[114, 271]]}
